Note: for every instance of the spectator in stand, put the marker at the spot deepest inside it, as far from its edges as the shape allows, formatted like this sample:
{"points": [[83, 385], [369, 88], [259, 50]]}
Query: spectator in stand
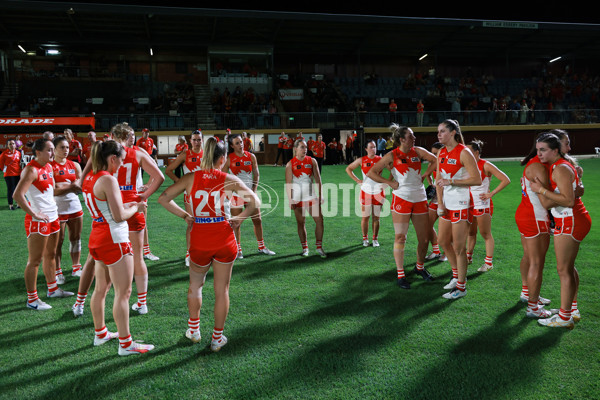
{"points": [[393, 108], [524, 112], [420, 113]]}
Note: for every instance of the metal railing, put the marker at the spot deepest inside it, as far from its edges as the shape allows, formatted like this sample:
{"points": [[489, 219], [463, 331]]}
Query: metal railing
{"points": [[336, 120]]}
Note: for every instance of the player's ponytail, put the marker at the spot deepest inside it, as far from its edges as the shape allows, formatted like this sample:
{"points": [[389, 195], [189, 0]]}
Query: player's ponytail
{"points": [[398, 132], [476, 145], [213, 151], [101, 151]]}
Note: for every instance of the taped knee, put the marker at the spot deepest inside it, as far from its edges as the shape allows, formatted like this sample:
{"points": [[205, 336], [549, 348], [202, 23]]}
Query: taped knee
{"points": [[75, 246]]}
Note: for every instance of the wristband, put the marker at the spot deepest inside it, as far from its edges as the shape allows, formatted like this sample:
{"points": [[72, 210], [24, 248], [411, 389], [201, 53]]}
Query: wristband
{"points": [[440, 212]]}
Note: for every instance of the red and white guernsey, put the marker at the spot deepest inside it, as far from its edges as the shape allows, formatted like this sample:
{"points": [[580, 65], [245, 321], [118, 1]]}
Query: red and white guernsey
{"points": [[104, 228], [578, 207], [407, 172], [207, 197], [302, 184], [192, 161], [241, 166], [530, 205], [129, 176], [40, 194], [450, 166], [369, 186], [476, 191], [68, 203]]}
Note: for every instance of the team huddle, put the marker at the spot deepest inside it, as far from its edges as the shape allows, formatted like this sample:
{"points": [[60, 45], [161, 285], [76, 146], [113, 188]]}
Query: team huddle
{"points": [[219, 184]]}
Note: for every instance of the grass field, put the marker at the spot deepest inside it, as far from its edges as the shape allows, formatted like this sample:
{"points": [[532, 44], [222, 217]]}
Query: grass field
{"points": [[312, 328]]}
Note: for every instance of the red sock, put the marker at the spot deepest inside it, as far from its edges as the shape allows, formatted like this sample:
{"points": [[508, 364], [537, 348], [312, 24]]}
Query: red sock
{"points": [[217, 334], [102, 332], [565, 315], [142, 298], [32, 296], [80, 298], [52, 286], [125, 342]]}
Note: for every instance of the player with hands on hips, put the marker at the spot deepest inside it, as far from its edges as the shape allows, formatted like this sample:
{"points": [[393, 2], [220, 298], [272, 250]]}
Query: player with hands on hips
{"points": [[212, 238]]}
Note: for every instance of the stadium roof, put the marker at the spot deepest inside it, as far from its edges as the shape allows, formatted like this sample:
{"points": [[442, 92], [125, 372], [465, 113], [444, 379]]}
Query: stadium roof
{"points": [[118, 27]]}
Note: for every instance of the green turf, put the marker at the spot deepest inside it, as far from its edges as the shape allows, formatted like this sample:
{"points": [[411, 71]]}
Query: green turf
{"points": [[308, 328]]}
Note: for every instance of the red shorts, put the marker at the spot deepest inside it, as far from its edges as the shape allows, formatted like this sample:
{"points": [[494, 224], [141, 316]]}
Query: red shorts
{"points": [[530, 227], [111, 253], [367, 199], [433, 206], [212, 242], [137, 222], [478, 212], [402, 206], [577, 226], [306, 203], [68, 217], [455, 216], [41, 228]]}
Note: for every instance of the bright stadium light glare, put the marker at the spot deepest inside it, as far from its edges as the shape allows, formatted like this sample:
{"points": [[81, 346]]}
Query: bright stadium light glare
{"points": [[21, 48], [423, 56], [555, 59]]}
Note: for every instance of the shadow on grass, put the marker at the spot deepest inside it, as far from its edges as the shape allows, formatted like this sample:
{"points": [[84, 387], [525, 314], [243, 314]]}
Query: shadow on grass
{"points": [[99, 371], [487, 364], [32, 333], [268, 265], [369, 302]]}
